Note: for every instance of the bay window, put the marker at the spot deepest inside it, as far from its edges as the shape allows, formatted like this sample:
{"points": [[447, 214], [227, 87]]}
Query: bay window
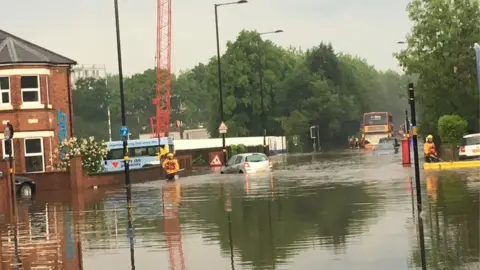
{"points": [[4, 91], [34, 155], [30, 89]]}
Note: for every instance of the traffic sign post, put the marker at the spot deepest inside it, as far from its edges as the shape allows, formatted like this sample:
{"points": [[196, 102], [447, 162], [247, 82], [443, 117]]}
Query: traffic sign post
{"points": [[313, 137], [222, 129], [216, 162], [124, 133]]}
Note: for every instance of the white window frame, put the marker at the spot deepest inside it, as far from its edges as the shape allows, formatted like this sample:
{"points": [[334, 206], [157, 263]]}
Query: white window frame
{"points": [[5, 156], [35, 154], [29, 103], [6, 106]]}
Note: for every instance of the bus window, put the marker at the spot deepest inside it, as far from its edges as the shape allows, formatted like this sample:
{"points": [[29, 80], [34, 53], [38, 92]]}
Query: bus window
{"points": [[115, 154], [143, 151]]}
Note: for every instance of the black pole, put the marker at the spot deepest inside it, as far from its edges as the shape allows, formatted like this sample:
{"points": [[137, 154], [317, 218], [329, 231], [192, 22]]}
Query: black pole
{"points": [[407, 123], [230, 240], [125, 139], [17, 260], [122, 98], [222, 117], [411, 93], [130, 232], [264, 119]]}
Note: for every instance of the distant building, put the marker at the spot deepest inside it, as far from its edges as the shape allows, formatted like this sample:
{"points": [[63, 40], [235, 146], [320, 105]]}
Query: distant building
{"points": [[36, 98], [88, 71], [188, 134]]}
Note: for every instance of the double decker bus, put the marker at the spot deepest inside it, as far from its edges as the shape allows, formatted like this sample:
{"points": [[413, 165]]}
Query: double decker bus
{"points": [[376, 125]]}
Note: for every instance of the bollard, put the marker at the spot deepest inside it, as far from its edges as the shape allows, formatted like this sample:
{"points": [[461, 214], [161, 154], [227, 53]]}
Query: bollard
{"points": [[406, 151]]}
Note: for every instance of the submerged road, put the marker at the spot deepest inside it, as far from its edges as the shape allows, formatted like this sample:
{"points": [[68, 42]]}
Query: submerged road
{"points": [[348, 210]]}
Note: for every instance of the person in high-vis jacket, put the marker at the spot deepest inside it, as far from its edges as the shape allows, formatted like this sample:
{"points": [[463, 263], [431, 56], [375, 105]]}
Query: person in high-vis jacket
{"points": [[429, 150], [170, 164]]}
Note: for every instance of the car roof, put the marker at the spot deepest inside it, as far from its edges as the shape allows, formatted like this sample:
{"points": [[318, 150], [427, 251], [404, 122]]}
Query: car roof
{"points": [[249, 154], [472, 135]]}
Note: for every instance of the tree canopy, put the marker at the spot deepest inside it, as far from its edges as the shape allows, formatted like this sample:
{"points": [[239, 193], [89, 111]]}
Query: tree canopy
{"points": [[440, 52], [318, 86]]}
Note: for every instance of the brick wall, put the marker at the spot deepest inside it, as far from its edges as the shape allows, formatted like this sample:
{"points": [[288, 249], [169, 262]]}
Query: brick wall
{"points": [[77, 179]]}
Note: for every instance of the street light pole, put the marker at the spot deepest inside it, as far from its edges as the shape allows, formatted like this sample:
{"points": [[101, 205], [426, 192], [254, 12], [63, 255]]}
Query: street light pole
{"points": [[125, 138], [260, 74], [219, 65], [122, 98]]}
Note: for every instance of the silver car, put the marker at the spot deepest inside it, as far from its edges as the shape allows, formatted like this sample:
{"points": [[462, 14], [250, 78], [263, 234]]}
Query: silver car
{"points": [[248, 163]]}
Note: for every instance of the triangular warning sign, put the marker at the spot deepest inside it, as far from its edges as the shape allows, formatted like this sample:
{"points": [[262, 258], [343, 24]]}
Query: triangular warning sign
{"points": [[223, 128], [216, 161]]}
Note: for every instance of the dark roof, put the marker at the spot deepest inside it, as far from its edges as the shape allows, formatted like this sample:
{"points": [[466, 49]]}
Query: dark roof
{"points": [[14, 50]]}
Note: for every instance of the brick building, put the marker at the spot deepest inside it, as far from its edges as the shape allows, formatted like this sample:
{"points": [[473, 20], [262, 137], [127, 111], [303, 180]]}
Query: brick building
{"points": [[35, 97]]}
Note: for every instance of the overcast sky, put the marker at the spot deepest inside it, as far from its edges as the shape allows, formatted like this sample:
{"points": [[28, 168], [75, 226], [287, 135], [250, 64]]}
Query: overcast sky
{"points": [[84, 30]]}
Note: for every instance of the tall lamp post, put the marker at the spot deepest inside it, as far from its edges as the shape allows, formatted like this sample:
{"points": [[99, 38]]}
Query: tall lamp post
{"points": [[125, 134], [260, 72], [222, 116]]}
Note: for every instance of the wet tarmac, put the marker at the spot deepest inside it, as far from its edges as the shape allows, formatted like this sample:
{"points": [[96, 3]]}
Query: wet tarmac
{"points": [[346, 210]]}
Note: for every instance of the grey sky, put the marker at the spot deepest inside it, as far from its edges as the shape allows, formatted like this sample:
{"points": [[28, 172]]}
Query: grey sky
{"points": [[85, 31]]}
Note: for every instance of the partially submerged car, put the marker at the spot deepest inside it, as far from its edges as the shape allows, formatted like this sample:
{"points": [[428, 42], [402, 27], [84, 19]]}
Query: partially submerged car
{"points": [[385, 148], [247, 163]]}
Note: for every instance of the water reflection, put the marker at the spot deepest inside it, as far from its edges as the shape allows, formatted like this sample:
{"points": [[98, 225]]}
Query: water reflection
{"points": [[351, 212], [41, 235], [171, 197], [451, 223], [266, 231]]}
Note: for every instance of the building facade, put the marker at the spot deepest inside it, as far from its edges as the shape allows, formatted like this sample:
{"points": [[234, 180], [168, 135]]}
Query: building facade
{"points": [[36, 98], [88, 71]]}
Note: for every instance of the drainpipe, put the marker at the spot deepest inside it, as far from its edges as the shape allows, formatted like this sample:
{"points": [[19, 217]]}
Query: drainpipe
{"points": [[70, 105]]}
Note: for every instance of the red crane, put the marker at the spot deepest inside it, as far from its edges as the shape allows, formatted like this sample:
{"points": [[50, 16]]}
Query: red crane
{"points": [[160, 123]]}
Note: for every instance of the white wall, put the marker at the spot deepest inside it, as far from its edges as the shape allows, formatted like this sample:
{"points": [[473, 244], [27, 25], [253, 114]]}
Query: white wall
{"points": [[275, 143]]}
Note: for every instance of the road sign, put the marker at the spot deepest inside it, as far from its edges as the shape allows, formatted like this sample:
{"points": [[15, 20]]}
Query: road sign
{"points": [[312, 132], [222, 128], [124, 131], [8, 132], [216, 161]]}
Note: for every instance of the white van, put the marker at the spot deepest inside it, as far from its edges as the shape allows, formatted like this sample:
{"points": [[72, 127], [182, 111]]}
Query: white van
{"points": [[470, 147]]}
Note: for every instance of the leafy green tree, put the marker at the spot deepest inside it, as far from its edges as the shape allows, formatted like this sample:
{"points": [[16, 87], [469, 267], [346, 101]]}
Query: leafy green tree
{"points": [[440, 53], [300, 88], [91, 98]]}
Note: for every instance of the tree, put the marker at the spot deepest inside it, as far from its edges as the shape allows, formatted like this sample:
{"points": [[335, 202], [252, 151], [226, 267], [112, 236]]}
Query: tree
{"points": [[91, 97], [440, 52], [300, 88], [241, 84]]}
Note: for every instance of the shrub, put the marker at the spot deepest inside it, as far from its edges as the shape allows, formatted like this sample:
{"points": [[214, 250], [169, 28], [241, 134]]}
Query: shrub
{"points": [[92, 152], [451, 129]]}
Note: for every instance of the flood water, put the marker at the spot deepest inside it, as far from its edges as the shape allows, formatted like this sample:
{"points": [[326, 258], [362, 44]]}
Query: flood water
{"points": [[330, 211]]}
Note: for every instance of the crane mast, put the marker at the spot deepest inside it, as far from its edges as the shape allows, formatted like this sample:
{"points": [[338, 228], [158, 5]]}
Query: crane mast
{"points": [[160, 124]]}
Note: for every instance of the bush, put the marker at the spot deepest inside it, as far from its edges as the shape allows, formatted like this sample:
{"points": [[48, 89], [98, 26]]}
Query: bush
{"points": [[92, 152], [451, 129]]}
